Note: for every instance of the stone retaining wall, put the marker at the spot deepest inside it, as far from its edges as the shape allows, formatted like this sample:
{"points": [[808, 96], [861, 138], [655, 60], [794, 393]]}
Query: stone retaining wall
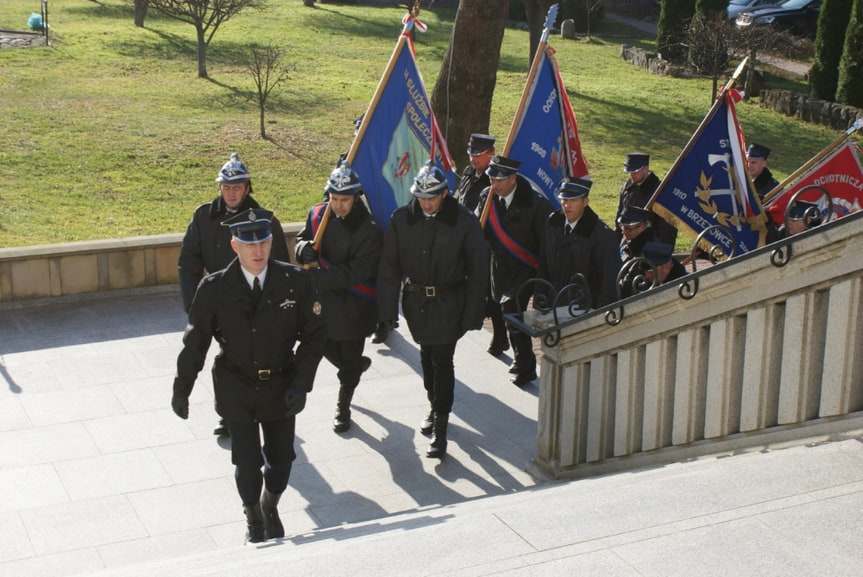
{"points": [[76, 268]]}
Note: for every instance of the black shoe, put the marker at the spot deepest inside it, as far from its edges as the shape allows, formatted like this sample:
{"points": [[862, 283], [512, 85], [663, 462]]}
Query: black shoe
{"points": [[514, 369], [367, 362], [524, 378], [381, 334], [427, 425], [497, 349], [222, 429]]}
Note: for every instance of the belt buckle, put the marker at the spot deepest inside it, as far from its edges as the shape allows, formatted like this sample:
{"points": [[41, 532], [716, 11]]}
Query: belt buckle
{"points": [[430, 291], [264, 374]]}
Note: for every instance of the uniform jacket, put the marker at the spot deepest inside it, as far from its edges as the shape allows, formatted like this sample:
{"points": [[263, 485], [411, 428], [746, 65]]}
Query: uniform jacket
{"points": [[447, 252], [351, 249], [470, 186], [632, 194], [765, 183], [207, 244], [524, 222], [590, 249], [252, 339]]}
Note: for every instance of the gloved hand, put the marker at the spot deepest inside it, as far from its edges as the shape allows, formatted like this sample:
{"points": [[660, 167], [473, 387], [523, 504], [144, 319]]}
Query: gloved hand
{"points": [[180, 404], [307, 254], [295, 401]]}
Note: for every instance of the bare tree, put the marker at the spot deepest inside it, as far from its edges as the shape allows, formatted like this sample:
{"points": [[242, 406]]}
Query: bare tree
{"points": [[262, 64], [206, 16], [463, 92]]}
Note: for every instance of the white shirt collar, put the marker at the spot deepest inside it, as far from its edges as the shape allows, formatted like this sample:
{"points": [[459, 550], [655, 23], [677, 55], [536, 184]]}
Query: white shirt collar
{"points": [[250, 278]]}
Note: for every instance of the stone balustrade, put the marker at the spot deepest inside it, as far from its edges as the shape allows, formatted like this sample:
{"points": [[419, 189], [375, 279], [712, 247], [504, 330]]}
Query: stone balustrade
{"points": [[761, 354]]}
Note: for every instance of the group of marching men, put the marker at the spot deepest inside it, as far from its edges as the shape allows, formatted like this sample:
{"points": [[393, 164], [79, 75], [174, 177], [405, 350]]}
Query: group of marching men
{"points": [[275, 321]]}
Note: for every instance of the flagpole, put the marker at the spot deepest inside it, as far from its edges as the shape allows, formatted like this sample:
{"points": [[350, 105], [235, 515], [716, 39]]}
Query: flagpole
{"points": [[519, 113], [710, 113], [409, 21], [827, 151]]}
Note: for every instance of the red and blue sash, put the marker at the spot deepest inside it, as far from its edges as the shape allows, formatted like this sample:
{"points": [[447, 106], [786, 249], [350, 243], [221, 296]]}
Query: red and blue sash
{"points": [[366, 290], [515, 249]]}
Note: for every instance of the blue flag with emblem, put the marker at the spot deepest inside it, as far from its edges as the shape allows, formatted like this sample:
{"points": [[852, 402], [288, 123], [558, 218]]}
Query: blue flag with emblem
{"points": [[545, 139], [398, 133], [708, 186]]}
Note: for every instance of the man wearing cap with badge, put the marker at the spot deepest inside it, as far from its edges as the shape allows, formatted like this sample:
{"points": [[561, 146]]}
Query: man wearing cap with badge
{"points": [[661, 256], [634, 223], [638, 190], [756, 164], [801, 217], [207, 244], [516, 222], [576, 241], [256, 308], [436, 260], [348, 252], [473, 181]]}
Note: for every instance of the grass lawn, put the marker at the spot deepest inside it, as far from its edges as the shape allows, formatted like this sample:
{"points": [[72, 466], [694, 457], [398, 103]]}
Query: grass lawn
{"points": [[109, 133]]}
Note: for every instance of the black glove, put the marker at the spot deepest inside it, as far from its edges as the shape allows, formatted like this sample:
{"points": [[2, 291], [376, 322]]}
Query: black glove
{"points": [[180, 404], [308, 254], [295, 401]]}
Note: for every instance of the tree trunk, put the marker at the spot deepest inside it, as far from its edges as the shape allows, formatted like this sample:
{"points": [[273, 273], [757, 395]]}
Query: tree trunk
{"points": [[141, 12], [462, 96], [202, 53]]}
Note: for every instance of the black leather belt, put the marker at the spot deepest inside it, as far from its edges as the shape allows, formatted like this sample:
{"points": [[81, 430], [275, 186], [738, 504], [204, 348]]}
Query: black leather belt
{"points": [[255, 375], [429, 291]]}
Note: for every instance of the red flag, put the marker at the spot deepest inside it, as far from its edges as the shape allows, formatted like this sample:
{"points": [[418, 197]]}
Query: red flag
{"points": [[840, 174]]}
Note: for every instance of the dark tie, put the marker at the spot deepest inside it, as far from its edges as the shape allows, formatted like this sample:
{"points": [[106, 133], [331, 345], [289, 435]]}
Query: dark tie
{"points": [[502, 206], [567, 229], [256, 290]]}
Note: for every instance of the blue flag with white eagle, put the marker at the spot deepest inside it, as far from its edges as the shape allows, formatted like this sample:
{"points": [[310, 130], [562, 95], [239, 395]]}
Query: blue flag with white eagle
{"points": [[398, 134], [708, 185]]}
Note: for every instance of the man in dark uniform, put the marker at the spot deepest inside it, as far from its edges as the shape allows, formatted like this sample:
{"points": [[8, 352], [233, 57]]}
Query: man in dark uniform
{"points": [[661, 256], [207, 244], [516, 222], [473, 181], [577, 242], [634, 224], [348, 252], [637, 191], [436, 247], [756, 164], [256, 308]]}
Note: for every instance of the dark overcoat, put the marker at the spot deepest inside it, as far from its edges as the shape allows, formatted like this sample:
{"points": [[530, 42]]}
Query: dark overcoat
{"points": [[470, 186], [254, 338], [590, 249], [446, 252], [350, 251], [524, 223], [207, 244], [632, 194]]}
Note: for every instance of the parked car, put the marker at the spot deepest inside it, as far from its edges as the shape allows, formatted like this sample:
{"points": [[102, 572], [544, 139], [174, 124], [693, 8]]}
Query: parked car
{"points": [[800, 17], [735, 7]]}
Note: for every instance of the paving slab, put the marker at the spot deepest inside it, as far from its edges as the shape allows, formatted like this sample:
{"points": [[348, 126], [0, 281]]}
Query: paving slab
{"points": [[99, 478]]}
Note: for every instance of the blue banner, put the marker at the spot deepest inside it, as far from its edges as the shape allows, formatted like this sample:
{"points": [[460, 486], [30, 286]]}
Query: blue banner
{"points": [[546, 138], [396, 138], [708, 185]]}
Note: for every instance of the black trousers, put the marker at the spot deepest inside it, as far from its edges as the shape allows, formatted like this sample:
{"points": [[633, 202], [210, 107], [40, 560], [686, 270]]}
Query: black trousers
{"points": [[249, 457], [522, 345], [438, 375], [347, 357]]}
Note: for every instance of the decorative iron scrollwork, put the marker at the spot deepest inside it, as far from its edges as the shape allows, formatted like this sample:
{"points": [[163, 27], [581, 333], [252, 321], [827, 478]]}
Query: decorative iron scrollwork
{"points": [[717, 252], [782, 254]]}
